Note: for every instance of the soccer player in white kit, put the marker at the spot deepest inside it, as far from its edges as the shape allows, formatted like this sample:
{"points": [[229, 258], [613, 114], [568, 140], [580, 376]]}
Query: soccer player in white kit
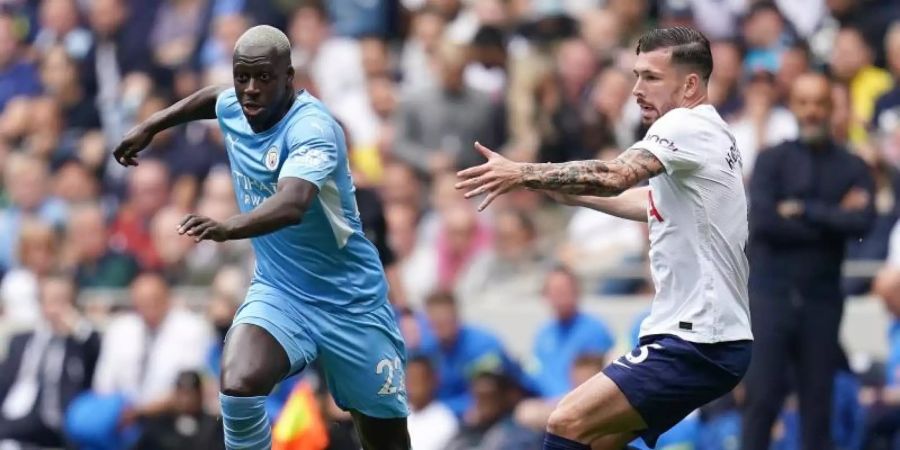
{"points": [[696, 344]]}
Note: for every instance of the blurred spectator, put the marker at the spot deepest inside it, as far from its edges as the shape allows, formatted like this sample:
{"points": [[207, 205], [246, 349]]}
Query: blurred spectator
{"points": [[59, 25], [795, 61], [184, 424], [26, 182], [46, 368], [351, 18], [217, 201], [94, 262], [463, 350], [431, 424], [570, 334], [629, 14], [766, 37], [17, 77], [492, 426], [762, 123], [563, 98], [38, 247], [422, 44], [75, 184], [871, 17], [215, 55], [177, 28], [148, 193], [852, 63], [172, 248], [886, 117], [189, 152], [805, 16], [807, 197], [486, 72], [533, 413], [437, 127], [228, 290], [368, 158], [724, 84], [460, 240], [143, 352], [335, 66], [120, 50], [61, 79], [594, 243], [611, 119], [511, 268], [602, 33]]}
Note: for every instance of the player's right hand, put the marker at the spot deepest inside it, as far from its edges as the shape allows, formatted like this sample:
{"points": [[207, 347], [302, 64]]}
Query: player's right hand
{"points": [[133, 143]]}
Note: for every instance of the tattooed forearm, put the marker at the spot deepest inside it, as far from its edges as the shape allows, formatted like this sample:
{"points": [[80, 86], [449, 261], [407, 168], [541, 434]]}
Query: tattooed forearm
{"points": [[597, 178]]}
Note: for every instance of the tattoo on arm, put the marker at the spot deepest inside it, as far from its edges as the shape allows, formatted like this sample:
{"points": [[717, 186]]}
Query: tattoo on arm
{"points": [[597, 178]]}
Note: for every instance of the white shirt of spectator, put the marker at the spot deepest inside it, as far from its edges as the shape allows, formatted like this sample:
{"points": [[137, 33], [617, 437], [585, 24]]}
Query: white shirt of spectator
{"points": [[698, 229], [432, 428], [893, 258], [182, 342], [781, 126]]}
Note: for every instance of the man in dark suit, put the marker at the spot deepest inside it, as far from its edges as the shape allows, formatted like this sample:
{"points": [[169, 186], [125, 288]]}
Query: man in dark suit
{"points": [[807, 198], [46, 368]]}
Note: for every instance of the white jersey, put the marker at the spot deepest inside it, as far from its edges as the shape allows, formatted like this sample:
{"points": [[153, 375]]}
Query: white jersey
{"points": [[697, 216]]}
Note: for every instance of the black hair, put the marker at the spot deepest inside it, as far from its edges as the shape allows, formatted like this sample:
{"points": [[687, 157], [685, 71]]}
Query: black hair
{"points": [[189, 379], [563, 269], [690, 48], [423, 359], [490, 37]]}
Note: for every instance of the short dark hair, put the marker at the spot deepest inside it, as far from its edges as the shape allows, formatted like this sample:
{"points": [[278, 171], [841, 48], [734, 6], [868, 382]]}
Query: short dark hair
{"points": [[689, 47], [441, 298], [426, 361]]}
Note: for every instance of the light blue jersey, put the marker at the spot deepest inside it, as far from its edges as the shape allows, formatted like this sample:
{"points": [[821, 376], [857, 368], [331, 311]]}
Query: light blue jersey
{"points": [[319, 287], [325, 260]]}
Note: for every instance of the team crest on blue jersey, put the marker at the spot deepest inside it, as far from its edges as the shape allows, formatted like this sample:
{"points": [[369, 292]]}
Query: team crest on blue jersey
{"points": [[272, 158]]}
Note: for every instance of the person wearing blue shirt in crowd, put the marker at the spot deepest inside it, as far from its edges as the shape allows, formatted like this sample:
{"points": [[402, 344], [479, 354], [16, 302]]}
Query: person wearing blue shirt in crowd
{"points": [[569, 334], [463, 351]]}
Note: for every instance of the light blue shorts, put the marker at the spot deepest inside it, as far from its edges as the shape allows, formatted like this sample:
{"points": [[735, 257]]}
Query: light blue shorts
{"points": [[362, 355]]}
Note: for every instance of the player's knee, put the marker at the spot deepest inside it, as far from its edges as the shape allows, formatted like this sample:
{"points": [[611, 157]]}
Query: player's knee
{"points": [[236, 382], [565, 423]]}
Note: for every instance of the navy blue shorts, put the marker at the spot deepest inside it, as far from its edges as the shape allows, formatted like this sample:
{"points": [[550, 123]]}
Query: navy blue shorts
{"points": [[666, 378]]}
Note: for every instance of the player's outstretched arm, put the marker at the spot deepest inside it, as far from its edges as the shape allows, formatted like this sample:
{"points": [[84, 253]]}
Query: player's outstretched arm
{"points": [[197, 106], [285, 208], [595, 178], [631, 204]]}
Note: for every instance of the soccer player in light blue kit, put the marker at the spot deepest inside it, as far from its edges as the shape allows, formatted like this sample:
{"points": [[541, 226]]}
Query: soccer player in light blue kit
{"points": [[319, 290]]}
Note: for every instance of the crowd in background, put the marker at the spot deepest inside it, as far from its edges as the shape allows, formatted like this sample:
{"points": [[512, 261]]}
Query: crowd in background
{"points": [[414, 83]]}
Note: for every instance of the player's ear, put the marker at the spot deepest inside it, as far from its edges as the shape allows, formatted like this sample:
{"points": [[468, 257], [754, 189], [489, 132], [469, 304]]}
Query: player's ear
{"points": [[691, 84]]}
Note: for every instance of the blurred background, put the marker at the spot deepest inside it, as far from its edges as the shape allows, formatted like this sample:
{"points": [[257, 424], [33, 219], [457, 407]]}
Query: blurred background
{"points": [[111, 324]]}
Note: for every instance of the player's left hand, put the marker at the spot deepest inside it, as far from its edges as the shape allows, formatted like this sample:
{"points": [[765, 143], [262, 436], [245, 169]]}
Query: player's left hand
{"points": [[495, 177], [203, 228]]}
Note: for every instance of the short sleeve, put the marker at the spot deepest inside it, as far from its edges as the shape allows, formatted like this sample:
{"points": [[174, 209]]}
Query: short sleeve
{"points": [[673, 140], [312, 151], [225, 101]]}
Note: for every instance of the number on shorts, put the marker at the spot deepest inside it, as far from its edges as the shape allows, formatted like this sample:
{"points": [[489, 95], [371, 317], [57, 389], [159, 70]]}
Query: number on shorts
{"points": [[643, 353], [388, 387]]}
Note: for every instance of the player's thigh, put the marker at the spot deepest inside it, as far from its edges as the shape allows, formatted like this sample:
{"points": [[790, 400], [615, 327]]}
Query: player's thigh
{"points": [[381, 434], [595, 409], [268, 341], [363, 358]]}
